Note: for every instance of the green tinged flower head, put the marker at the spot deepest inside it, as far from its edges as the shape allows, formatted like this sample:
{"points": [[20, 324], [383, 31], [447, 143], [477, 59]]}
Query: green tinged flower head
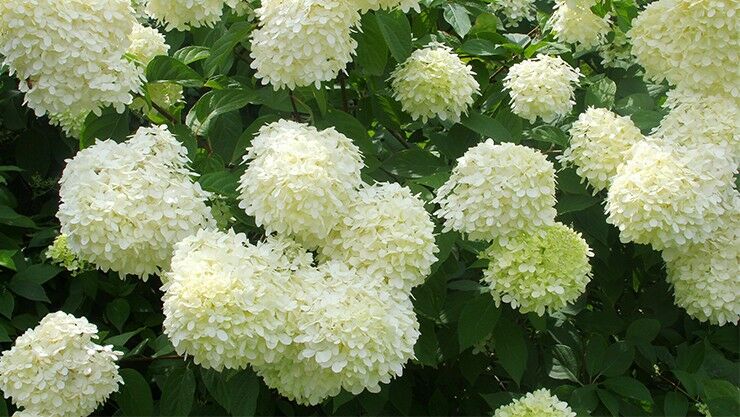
{"points": [[60, 254], [543, 270], [539, 403]]}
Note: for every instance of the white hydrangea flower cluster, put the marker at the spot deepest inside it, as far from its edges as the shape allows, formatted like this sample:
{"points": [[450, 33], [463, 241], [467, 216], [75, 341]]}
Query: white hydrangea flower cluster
{"points": [[695, 119], [185, 14], [299, 180], [542, 87], [386, 233], [690, 43], [146, 43], [433, 81], [124, 206], [227, 302], [56, 370], [704, 275], [539, 403], [669, 197], [69, 55], [515, 10], [303, 42], [540, 271], [60, 254], [402, 5], [496, 190], [574, 22], [600, 141]]}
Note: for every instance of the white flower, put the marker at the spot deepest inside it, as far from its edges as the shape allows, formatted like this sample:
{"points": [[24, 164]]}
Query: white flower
{"points": [[599, 142], [433, 81], [539, 403], [690, 43], [537, 271], [387, 234], [124, 206], [146, 43], [696, 118], [71, 124], [299, 180], [402, 5], [303, 42], [542, 87], [515, 10], [704, 276], [352, 334], [185, 14], [670, 197], [56, 370], [68, 54], [59, 253], [227, 302], [496, 190], [577, 24]]}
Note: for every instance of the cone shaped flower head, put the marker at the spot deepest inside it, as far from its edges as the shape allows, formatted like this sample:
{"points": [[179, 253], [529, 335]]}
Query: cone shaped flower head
{"points": [[185, 14], [539, 403], [577, 24]]}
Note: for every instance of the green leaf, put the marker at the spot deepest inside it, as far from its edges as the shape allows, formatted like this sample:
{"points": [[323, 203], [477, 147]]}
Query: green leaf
{"points": [[117, 312], [165, 68], [643, 331], [223, 47], [29, 290], [426, 349], [457, 16], [620, 356], [236, 393], [675, 405], [178, 391], [372, 52], [246, 137], [564, 363], [487, 127], [121, 339], [109, 125], [7, 303], [134, 397], [550, 134], [221, 182], [481, 47], [38, 273], [395, 28], [629, 387], [511, 348], [190, 54], [413, 163], [477, 319], [610, 401], [595, 354], [601, 93], [214, 103], [347, 125], [9, 217], [568, 203]]}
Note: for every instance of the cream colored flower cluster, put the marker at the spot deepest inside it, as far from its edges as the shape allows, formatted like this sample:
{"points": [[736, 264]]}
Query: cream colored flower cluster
{"points": [[299, 180], [539, 403], [186, 14], [303, 42], [515, 10], [542, 87], [496, 190], [574, 22], [704, 275], [124, 206], [600, 141], [433, 81], [69, 55], [540, 271], [387, 233], [309, 331], [690, 43], [403, 5], [56, 370], [146, 43], [668, 197]]}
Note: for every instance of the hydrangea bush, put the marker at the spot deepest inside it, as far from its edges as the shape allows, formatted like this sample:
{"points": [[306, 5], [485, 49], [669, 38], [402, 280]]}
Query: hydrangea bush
{"points": [[513, 208]]}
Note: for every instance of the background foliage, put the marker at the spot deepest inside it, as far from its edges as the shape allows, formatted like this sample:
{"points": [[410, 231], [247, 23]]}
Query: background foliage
{"points": [[622, 349]]}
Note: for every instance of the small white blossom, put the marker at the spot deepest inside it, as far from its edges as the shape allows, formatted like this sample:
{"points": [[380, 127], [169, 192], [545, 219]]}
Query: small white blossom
{"points": [[303, 42], [124, 206], [515, 10], [577, 24], [433, 81], [498, 189], [402, 5], [185, 14], [538, 271], [542, 87], [56, 370], [600, 141], [387, 234], [539, 403], [299, 180]]}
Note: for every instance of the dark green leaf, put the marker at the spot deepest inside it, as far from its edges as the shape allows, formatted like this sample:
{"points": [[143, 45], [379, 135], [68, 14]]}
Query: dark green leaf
{"points": [[221, 182], [223, 47], [629, 387], [457, 16], [372, 52], [214, 103], [486, 126], [178, 391], [134, 397], [7, 303], [164, 68], [481, 47], [395, 28], [568, 203], [190, 54], [643, 330], [109, 125], [511, 348], [564, 363], [675, 405], [117, 312], [477, 319], [413, 163]]}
